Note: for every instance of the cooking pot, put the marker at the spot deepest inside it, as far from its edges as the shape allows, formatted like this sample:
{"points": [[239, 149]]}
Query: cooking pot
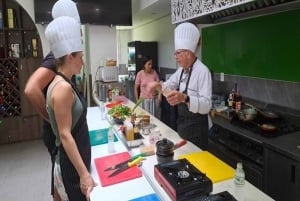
{"points": [[164, 150], [247, 114]]}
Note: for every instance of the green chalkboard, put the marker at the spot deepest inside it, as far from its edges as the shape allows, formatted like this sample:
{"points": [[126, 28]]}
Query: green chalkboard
{"points": [[266, 47]]}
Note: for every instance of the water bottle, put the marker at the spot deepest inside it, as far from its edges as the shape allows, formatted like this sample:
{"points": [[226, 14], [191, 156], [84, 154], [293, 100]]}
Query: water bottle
{"points": [[110, 140], [239, 177], [239, 180], [102, 109]]}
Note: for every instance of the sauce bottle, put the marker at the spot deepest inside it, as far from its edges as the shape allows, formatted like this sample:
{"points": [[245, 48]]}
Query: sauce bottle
{"points": [[129, 131]]}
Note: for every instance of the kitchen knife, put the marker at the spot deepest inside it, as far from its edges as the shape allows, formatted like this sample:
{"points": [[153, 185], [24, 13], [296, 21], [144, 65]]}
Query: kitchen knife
{"points": [[125, 166], [113, 167]]}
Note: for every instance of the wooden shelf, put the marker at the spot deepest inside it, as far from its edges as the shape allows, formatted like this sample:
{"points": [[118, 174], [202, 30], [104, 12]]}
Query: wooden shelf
{"points": [[19, 121]]}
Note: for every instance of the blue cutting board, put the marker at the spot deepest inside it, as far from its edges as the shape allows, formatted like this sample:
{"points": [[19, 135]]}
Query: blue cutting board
{"points": [[150, 197], [99, 136]]}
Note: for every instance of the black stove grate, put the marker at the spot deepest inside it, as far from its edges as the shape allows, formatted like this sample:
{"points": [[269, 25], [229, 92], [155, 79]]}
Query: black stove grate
{"points": [[283, 126]]}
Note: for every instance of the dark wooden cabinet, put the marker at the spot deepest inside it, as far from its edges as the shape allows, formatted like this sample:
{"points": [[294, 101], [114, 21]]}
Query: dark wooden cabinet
{"points": [[19, 119], [19, 37], [282, 176], [20, 55]]}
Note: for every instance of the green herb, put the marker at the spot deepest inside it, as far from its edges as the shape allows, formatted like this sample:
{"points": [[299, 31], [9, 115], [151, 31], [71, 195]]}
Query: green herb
{"points": [[138, 102], [120, 111]]}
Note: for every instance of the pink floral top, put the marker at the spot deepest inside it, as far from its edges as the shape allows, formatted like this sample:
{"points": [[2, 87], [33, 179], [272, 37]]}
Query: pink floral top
{"points": [[143, 79]]}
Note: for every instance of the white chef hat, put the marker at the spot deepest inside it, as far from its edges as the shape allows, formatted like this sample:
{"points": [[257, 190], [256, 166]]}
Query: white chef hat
{"points": [[65, 8], [64, 36], [186, 36]]}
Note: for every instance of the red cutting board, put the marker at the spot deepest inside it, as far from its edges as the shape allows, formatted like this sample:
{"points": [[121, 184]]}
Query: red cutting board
{"points": [[104, 162]]}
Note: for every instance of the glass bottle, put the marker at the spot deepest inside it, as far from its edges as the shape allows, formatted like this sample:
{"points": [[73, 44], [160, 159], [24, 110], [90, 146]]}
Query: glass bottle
{"points": [[238, 101], [230, 99]]}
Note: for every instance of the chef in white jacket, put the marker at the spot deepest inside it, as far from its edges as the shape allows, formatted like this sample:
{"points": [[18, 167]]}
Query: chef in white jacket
{"points": [[189, 88]]}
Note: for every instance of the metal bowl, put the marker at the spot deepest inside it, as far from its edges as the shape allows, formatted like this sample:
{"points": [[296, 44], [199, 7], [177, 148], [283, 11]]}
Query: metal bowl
{"points": [[248, 114]]}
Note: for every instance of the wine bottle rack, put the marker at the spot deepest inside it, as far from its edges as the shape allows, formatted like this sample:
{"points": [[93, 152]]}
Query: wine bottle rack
{"points": [[10, 103]]}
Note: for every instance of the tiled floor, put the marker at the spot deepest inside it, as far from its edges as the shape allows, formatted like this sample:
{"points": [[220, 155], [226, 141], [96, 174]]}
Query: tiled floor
{"points": [[25, 172]]}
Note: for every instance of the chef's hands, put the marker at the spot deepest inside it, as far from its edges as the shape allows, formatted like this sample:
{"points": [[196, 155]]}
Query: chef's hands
{"points": [[175, 97], [87, 184]]}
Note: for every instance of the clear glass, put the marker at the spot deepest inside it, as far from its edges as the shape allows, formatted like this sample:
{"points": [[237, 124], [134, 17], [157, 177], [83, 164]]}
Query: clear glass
{"points": [[166, 91], [154, 135]]}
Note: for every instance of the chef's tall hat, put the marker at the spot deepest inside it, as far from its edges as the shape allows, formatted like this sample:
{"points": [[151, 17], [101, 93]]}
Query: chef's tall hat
{"points": [[64, 36], [65, 8], [186, 37]]}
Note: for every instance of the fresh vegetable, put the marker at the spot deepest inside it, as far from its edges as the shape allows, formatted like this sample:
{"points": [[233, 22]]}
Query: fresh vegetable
{"points": [[120, 111]]}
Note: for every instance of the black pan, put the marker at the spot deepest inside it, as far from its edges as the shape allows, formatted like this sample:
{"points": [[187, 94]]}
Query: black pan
{"points": [[269, 114], [267, 127]]}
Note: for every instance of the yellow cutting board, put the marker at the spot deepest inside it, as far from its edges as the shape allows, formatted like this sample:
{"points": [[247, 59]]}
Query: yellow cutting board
{"points": [[213, 167]]}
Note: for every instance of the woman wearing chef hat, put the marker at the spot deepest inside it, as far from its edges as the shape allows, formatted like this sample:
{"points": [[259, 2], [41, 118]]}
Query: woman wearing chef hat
{"points": [[67, 112], [36, 87]]}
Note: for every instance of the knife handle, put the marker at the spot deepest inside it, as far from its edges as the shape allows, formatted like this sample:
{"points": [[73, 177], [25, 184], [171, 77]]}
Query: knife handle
{"points": [[135, 162], [136, 156]]}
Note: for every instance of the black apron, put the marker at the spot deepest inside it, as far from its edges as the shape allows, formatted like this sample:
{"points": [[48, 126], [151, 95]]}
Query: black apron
{"points": [[192, 126], [80, 134]]}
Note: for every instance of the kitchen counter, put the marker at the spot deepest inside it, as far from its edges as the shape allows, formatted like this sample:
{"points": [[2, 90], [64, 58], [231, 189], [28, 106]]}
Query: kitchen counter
{"points": [[148, 184], [288, 144], [126, 190]]}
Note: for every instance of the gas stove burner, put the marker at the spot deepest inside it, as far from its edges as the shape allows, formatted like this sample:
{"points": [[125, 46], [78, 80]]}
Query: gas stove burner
{"points": [[183, 174], [282, 126], [182, 180]]}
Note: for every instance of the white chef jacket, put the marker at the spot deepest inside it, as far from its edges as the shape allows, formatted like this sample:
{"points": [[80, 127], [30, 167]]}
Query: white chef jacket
{"points": [[199, 88]]}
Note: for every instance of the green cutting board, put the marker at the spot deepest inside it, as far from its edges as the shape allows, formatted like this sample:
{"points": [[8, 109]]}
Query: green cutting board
{"points": [[99, 136]]}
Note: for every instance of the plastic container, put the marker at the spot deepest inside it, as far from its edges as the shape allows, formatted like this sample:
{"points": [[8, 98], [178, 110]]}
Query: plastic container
{"points": [[239, 176], [110, 140]]}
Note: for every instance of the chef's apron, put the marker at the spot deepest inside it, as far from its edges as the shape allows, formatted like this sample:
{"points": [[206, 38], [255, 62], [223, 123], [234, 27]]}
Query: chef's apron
{"points": [[192, 126], [69, 174]]}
